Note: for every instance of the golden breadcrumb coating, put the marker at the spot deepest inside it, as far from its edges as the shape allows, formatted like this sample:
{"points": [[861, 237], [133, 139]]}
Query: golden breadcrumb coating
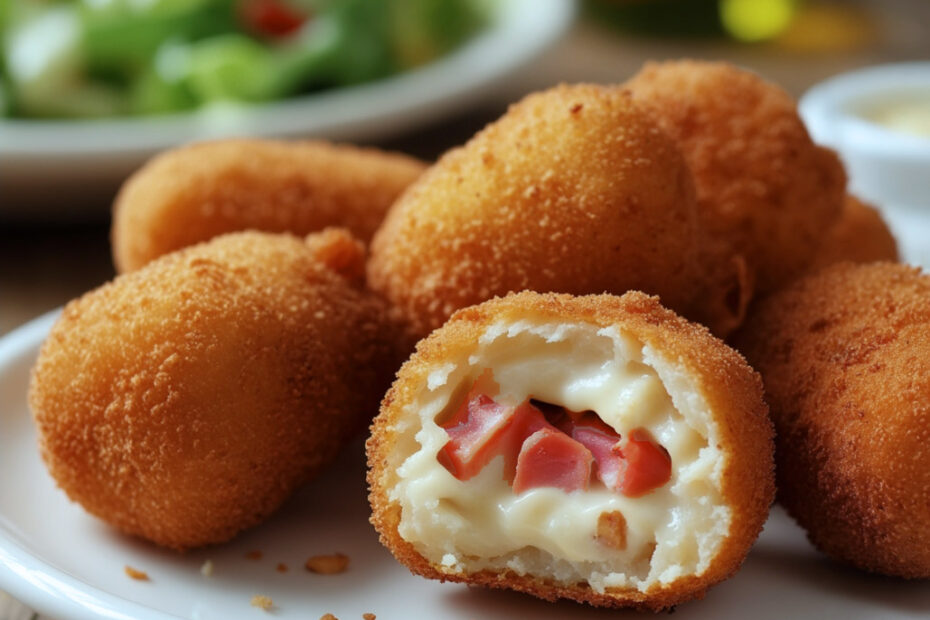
{"points": [[860, 235], [194, 193], [845, 356], [732, 390], [574, 190], [764, 189], [185, 401]]}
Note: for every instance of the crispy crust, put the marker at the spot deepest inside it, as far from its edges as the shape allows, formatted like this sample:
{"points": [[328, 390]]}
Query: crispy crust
{"points": [[763, 187], [185, 401], [860, 235], [574, 190], [194, 193], [845, 355], [732, 390]]}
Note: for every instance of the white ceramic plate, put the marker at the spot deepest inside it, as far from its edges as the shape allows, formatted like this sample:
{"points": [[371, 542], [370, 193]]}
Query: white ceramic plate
{"points": [[40, 160], [66, 564]]}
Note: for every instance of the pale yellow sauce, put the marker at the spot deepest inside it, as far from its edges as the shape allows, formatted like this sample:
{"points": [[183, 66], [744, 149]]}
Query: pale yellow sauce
{"points": [[905, 116]]}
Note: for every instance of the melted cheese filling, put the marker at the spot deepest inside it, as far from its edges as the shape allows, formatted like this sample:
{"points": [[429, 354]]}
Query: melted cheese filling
{"points": [[481, 523]]}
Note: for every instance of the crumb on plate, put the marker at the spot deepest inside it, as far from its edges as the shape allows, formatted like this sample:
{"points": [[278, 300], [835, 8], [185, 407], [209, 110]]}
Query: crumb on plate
{"points": [[281, 567], [262, 601], [328, 564], [207, 569], [136, 574], [255, 554]]}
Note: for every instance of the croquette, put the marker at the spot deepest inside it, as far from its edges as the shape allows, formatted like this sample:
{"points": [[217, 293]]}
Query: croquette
{"points": [[574, 190], [185, 401], [595, 448], [764, 189], [845, 357], [194, 193], [860, 235]]}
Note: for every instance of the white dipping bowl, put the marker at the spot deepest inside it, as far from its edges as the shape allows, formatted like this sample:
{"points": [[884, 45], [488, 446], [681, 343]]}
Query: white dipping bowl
{"points": [[886, 166]]}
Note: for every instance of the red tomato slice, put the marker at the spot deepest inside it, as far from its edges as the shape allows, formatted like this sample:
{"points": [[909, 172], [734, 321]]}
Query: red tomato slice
{"points": [[271, 18]]}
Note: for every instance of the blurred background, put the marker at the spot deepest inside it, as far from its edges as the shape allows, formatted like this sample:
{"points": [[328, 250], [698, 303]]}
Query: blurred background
{"points": [[89, 89]]}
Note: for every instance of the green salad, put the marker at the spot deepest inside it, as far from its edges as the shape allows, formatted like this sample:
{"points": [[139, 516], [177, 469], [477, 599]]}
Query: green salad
{"points": [[98, 58]]}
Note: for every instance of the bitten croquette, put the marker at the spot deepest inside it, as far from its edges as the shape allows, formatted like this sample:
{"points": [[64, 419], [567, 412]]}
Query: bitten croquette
{"points": [[466, 403]]}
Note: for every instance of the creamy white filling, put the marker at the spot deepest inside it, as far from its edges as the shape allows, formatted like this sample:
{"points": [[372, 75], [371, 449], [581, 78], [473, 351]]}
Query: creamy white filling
{"points": [[481, 523]]}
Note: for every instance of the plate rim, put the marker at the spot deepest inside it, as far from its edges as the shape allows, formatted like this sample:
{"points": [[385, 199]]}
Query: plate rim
{"points": [[35, 583], [451, 81]]}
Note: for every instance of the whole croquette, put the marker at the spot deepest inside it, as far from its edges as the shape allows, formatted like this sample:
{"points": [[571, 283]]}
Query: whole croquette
{"points": [[860, 235], [574, 190], [185, 401], [845, 358], [764, 189], [595, 448], [194, 193]]}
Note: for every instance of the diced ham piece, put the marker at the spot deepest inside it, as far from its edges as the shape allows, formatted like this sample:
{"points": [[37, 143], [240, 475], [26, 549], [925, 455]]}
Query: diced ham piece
{"points": [[550, 458], [475, 432], [527, 419], [648, 465], [546, 445], [603, 444]]}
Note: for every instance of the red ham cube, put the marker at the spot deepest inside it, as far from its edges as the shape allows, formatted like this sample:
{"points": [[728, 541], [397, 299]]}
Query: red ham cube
{"points": [[475, 435], [604, 445], [648, 465], [527, 419], [550, 458]]}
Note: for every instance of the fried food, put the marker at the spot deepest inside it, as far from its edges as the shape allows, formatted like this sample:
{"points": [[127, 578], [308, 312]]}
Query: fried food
{"points": [[194, 193], [185, 401], [765, 190], [845, 357], [573, 190], [595, 448], [860, 235]]}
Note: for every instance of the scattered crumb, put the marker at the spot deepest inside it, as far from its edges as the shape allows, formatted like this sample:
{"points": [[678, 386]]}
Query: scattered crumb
{"points": [[207, 569], [368, 616], [328, 564], [133, 573], [328, 617], [281, 568], [262, 601], [254, 555]]}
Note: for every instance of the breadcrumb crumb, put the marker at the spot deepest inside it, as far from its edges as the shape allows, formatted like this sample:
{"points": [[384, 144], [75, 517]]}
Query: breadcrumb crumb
{"points": [[254, 555], [328, 617], [368, 616], [281, 567], [262, 601], [136, 574], [207, 569], [328, 564]]}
